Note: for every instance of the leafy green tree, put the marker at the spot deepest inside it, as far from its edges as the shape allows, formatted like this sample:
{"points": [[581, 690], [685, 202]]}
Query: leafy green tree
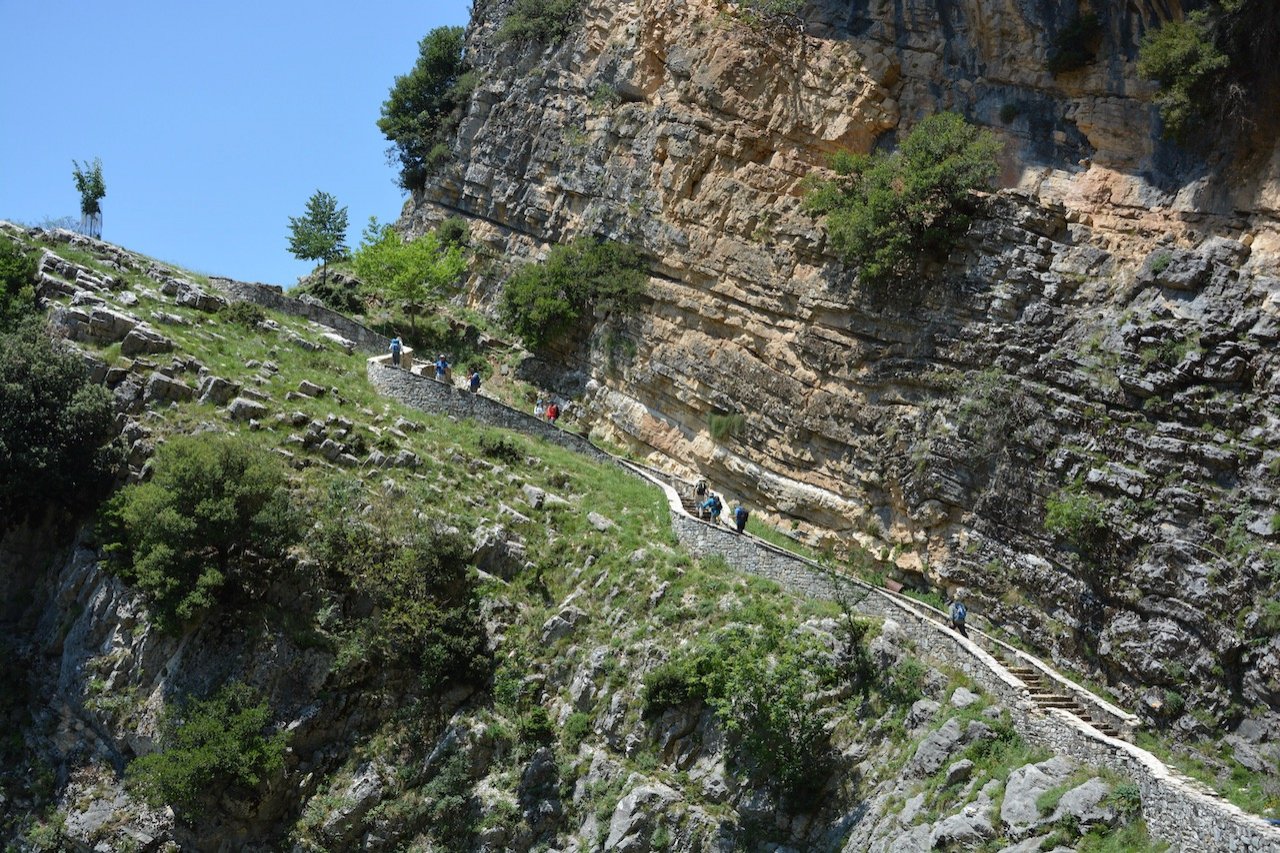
{"points": [[426, 104], [206, 746], [92, 190], [55, 426], [320, 235], [1182, 57], [544, 301], [215, 512], [17, 283], [410, 273], [885, 212], [540, 21]]}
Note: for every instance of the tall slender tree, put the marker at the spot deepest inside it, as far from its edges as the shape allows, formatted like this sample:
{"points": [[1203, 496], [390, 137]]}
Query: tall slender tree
{"points": [[92, 189], [320, 235]]}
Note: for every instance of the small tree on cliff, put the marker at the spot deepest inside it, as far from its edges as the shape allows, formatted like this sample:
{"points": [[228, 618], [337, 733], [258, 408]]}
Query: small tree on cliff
{"points": [[886, 212], [409, 273], [426, 104], [321, 235], [92, 190]]}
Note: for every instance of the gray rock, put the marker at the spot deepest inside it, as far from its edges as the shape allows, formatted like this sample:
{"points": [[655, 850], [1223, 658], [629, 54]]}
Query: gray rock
{"points": [[1087, 803], [562, 624], [936, 749], [242, 409], [166, 389], [959, 772], [922, 712], [632, 821], [330, 449], [143, 341], [967, 829], [498, 551], [1019, 812], [962, 697], [599, 522], [407, 459], [216, 390], [310, 389], [533, 495]]}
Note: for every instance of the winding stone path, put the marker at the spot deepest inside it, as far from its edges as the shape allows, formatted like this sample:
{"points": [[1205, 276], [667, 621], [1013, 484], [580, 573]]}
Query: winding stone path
{"points": [[1047, 707]]}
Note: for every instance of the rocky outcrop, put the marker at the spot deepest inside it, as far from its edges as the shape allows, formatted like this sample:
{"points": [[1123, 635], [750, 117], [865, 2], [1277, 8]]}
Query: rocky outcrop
{"points": [[1106, 332]]}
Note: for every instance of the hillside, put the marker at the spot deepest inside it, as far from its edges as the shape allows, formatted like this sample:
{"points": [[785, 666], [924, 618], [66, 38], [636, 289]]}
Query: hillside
{"points": [[1073, 415], [614, 693]]}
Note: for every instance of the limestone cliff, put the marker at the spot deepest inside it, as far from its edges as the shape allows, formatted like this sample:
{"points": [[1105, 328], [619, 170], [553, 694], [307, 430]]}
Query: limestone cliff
{"points": [[1106, 335]]}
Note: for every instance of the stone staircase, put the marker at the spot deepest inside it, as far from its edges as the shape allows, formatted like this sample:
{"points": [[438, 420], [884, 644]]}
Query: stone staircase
{"points": [[1043, 694]]}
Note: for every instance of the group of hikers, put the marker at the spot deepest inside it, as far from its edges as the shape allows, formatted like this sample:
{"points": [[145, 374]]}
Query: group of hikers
{"points": [[710, 506], [443, 369]]}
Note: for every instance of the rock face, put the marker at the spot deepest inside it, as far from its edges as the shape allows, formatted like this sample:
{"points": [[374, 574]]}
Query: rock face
{"points": [[1103, 340]]}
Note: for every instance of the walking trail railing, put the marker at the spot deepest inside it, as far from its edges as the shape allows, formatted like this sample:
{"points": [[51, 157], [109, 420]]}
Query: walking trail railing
{"points": [[1048, 708]]}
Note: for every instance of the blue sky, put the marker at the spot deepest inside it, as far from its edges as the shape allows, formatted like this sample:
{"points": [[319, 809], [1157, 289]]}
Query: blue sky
{"points": [[215, 122]]}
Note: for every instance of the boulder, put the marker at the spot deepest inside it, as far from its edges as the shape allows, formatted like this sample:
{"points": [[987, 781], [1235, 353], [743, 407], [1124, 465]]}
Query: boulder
{"points": [[632, 821], [166, 389], [216, 390], [242, 409], [562, 624], [143, 341], [310, 389], [498, 551], [1019, 812], [599, 522]]}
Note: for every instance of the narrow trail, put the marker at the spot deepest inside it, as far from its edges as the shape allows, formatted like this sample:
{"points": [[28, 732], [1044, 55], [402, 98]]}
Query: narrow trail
{"points": [[1048, 707]]}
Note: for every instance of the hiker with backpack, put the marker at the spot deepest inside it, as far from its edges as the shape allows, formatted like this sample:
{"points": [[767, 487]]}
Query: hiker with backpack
{"points": [[712, 506], [474, 381], [442, 369], [553, 411], [958, 614], [740, 516], [395, 348]]}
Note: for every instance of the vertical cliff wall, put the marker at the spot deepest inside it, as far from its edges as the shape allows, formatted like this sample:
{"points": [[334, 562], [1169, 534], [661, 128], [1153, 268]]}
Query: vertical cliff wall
{"points": [[1104, 341]]}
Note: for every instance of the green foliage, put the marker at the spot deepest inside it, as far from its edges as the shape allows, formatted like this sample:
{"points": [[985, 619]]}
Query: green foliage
{"points": [[342, 296], [454, 231], [904, 682], [215, 514], [545, 301], [1126, 797], [425, 106], [54, 426], [885, 212], [450, 807], [1077, 517], [1074, 47], [246, 314], [426, 612], [207, 745], [771, 13], [760, 685], [409, 273], [544, 22], [92, 190], [497, 446], [1182, 57], [17, 283], [320, 235], [576, 728], [535, 729], [723, 426]]}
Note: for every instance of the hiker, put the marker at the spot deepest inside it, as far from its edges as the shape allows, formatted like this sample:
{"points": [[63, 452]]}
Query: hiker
{"points": [[442, 369], [712, 506], [740, 516], [700, 490], [395, 348], [553, 412], [539, 408], [475, 381], [958, 614]]}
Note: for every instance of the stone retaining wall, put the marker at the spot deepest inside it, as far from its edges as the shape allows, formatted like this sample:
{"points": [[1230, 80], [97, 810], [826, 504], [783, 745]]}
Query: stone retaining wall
{"points": [[1177, 810], [429, 395], [273, 297]]}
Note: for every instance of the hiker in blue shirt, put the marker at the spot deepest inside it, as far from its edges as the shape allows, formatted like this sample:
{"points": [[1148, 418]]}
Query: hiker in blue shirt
{"points": [[442, 368], [740, 516], [395, 351], [475, 381], [958, 614], [713, 506]]}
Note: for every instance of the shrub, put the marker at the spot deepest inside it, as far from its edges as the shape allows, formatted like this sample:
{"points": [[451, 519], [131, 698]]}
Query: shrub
{"points": [[1076, 517], [207, 745], [17, 283], [541, 21], [885, 212], [501, 448], [426, 611], [426, 104], [1074, 46], [342, 295], [450, 814], [771, 13], [215, 512], [409, 272], [543, 302], [535, 729], [246, 314], [454, 231], [1126, 797], [55, 427], [1182, 57], [576, 729], [722, 427], [904, 682]]}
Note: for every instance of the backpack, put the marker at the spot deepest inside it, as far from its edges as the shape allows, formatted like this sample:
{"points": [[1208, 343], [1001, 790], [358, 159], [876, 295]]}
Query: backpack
{"points": [[958, 611], [740, 514]]}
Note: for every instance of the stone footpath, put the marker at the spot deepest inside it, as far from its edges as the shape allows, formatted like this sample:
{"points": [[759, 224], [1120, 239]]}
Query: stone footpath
{"points": [[1178, 810]]}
